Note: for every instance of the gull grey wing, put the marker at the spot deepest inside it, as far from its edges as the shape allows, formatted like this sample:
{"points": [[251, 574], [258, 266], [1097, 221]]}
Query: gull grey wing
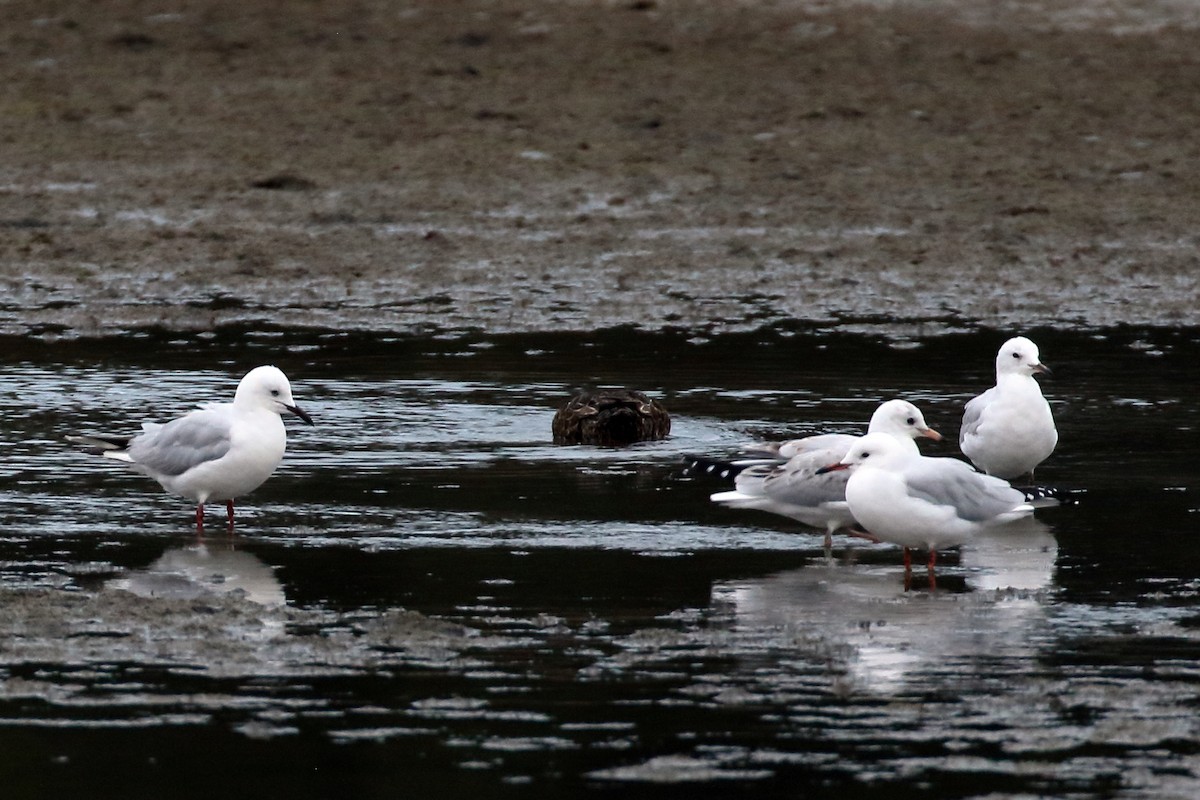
{"points": [[973, 414], [180, 445], [797, 481], [949, 482]]}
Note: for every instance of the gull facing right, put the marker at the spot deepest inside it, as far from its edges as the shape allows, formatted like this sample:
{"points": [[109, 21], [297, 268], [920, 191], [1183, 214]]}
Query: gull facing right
{"points": [[793, 488], [1008, 430], [218, 452]]}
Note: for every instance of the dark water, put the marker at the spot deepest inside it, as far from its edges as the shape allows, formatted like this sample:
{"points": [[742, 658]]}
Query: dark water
{"points": [[430, 598]]}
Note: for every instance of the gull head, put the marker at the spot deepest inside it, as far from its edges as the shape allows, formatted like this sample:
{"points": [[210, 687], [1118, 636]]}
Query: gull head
{"points": [[874, 449], [901, 418], [268, 388], [1019, 356]]}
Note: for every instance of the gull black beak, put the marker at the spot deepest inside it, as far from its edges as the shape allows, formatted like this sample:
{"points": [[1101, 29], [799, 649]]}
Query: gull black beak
{"points": [[301, 413], [832, 468], [1042, 368]]}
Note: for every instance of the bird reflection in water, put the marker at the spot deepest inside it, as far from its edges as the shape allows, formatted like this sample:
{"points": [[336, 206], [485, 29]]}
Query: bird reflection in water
{"points": [[201, 570], [890, 639]]}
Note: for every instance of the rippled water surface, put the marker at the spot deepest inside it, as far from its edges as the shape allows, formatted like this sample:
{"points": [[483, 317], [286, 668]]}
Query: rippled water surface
{"points": [[430, 597]]}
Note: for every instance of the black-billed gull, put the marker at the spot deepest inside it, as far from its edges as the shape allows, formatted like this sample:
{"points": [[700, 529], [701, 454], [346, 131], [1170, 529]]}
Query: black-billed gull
{"points": [[217, 453], [918, 501], [1008, 430]]}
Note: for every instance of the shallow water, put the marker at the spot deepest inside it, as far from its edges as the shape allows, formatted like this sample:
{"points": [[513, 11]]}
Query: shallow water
{"points": [[428, 596]]}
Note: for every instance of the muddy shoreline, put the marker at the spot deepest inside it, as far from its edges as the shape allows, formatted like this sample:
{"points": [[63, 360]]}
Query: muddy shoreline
{"points": [[526, 166]]}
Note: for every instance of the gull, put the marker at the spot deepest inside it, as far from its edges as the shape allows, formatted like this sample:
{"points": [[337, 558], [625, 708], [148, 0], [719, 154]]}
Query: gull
{"points": [[794, 488], [917, 501], [217, 453], [900, 418], [1008, 430]]}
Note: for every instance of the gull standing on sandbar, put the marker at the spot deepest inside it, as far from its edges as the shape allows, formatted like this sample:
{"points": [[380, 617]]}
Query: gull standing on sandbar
{"points": [[1008, 430], [217, 453]]}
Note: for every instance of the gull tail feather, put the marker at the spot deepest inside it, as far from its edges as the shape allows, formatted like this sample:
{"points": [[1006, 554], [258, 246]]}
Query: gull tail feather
{"points": [[1048, 496], [721, 468], [110, 446]]}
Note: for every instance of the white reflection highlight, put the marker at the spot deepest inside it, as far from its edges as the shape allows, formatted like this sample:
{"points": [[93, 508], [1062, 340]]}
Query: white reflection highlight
{"points": [[202, 571], [887, 639], [1020, 555]]}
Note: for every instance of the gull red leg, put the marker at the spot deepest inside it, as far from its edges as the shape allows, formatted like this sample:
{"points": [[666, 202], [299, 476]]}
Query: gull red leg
{"points": [[229, 512], [199, 517], [932, 562]]}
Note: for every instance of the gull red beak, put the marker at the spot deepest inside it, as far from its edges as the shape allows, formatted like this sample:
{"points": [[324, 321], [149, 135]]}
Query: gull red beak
{"points": [[832, 468]]}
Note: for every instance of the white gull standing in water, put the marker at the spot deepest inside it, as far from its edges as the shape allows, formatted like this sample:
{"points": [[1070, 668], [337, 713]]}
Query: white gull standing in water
{"points": [[794, 488], [217, 453], [917, 501], [1008, 430]]}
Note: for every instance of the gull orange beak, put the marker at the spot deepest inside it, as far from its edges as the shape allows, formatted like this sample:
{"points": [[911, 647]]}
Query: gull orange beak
{"points": [[832, 468], [930, 433]]}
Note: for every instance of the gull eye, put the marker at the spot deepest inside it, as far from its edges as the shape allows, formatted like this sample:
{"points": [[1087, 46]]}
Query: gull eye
{"points": [[866, 455], [274, 393], [1016, 355], [911, 421]]}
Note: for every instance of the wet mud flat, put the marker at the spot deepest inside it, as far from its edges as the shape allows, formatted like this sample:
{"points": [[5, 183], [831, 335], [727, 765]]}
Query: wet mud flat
{"points": [[572, 166]]}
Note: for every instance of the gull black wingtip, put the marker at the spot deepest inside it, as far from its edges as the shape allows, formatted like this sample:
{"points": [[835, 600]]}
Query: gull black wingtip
{"points": [[301, 413]]}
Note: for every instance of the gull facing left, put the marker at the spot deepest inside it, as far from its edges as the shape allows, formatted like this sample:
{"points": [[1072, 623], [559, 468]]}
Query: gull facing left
{"points": [[217, 453], [917, 501]]}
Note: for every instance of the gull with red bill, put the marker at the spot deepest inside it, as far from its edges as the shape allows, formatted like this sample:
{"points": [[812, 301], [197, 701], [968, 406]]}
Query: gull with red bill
{"points": [[794, 487], [920, 502]]}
